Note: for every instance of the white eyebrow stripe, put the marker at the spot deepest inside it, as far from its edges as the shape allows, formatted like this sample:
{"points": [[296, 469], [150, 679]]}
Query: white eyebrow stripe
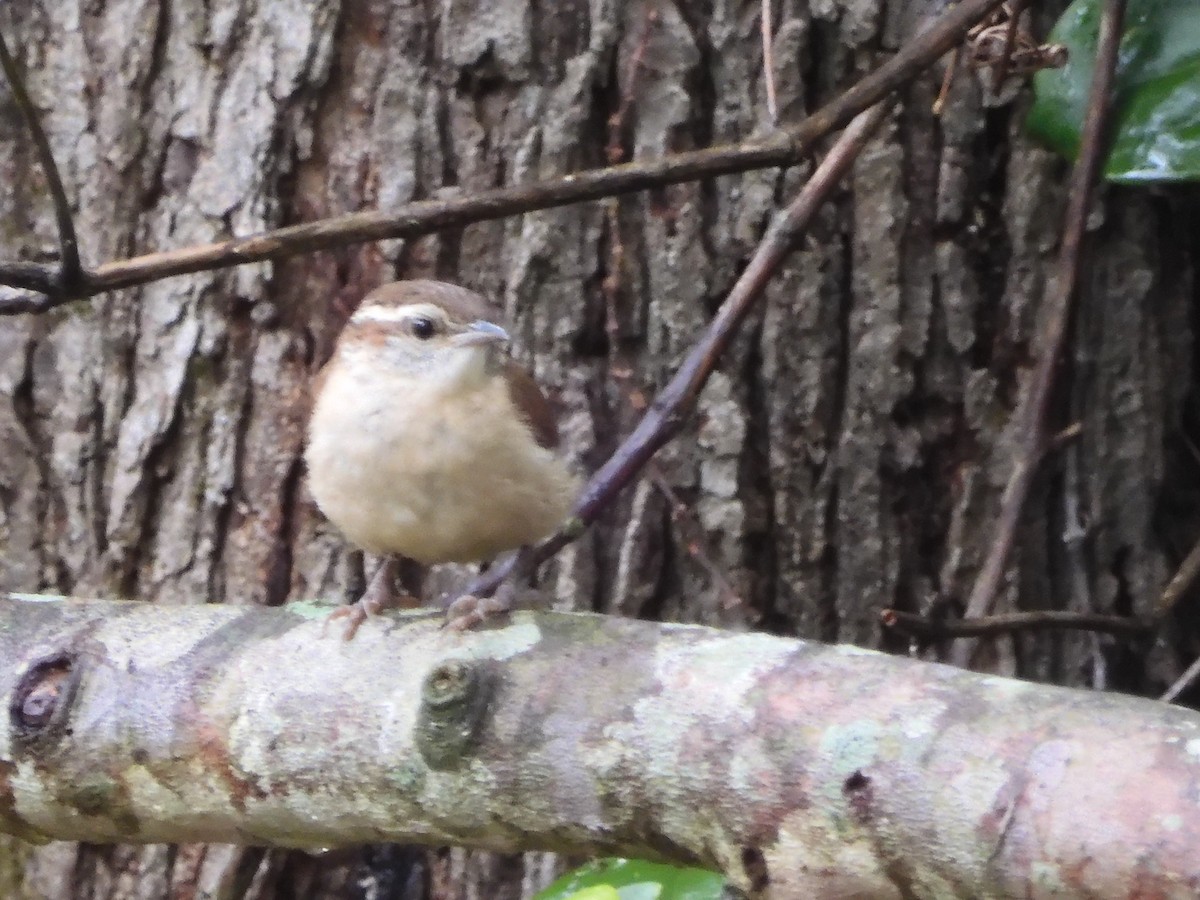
{"points": [[383, 314]]}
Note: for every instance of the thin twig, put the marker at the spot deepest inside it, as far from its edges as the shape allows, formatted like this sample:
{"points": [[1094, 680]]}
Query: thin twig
{"points": [[1033, 409], [939, 102], [1189, 568], [1182, 683], [1068, 435], [69, 277], [768, 54], [415, 219], [671, 408], [614, 151], [1000, 72], [1034, 620], [1179, 584], [695, 541]]}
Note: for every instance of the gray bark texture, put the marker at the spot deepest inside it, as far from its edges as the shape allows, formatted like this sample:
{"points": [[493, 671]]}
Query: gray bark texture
{"points": [[848, 455]]}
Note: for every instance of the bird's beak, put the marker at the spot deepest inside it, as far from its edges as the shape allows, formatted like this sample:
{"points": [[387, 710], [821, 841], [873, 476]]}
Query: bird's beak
{"points": [[480, 333]]}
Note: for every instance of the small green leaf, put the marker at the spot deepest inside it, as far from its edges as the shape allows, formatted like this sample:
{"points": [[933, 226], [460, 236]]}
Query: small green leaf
{"points": [[1156, 113], [599, 892], [634, 879]]}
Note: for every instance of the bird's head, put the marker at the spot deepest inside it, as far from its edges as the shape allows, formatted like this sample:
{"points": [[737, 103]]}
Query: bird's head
{"points": [[427, 330]]}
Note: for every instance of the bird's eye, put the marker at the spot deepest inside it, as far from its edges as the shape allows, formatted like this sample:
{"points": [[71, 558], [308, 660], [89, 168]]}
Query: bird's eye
{"points": [[423, 328]]}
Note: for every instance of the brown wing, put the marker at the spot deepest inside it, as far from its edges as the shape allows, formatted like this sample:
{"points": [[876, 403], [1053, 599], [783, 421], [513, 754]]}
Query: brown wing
{"points": [[532, 404]]}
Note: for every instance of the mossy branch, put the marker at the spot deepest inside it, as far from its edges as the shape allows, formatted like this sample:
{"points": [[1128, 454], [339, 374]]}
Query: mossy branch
{"points": [[797, 769]]}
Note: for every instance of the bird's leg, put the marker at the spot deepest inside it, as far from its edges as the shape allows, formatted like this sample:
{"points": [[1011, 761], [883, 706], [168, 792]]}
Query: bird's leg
{"points": [[470, 609], [379, 595]]}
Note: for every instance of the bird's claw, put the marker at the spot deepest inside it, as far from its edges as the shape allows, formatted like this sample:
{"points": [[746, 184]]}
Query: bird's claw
{"points": [[355, 614], [469, 610], [379, 595]]}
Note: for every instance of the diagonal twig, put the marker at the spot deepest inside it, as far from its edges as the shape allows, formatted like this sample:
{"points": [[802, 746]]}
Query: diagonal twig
{"points": [[1182, 683], [69, 276], [1035, 404], [1180, 582], [415, 219], [943, 94], [671, 408]]}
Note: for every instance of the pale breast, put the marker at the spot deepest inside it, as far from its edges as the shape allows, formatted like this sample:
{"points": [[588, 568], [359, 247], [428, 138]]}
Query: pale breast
{"points": [[408, 471]]}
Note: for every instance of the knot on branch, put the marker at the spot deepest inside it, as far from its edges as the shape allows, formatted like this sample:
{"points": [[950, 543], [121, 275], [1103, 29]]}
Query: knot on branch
{"points": [[454, 703], [41, 704]]}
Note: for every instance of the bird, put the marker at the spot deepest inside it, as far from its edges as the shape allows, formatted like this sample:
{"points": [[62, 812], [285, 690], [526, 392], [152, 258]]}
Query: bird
{"points": [[427, 441]]}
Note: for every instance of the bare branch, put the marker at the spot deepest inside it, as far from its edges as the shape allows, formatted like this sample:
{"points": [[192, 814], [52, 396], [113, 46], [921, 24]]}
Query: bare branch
{"points": [[768, 55], [1032, 411], [423, 217], [70, 278], [30, 276], [1182, 683], [799, 770], [1032, 620], [1181, 581], [943, 94]]}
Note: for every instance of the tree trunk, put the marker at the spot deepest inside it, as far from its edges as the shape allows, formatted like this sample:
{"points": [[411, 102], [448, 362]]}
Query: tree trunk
{"points": [[848, 455]]}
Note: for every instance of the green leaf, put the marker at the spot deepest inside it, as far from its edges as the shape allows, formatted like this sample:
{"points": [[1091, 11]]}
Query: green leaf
{"points": [[599, 892], [634, 879], [1156, 113]]}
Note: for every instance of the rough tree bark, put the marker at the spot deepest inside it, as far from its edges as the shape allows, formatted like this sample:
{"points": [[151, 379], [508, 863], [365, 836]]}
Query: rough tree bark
{"points": [[848, 455]]}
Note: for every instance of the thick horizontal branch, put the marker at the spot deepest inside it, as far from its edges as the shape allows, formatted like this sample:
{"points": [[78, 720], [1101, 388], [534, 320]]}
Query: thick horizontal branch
{"points": [[795, 768], [423, 217]]}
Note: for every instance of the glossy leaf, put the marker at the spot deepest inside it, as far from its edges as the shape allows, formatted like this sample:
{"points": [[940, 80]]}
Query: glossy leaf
{"points": [[1156, 117], [634, 879]]}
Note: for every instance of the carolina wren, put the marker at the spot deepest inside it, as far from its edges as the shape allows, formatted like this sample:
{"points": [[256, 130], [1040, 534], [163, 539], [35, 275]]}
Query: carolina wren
{"points": [[427, 441]]}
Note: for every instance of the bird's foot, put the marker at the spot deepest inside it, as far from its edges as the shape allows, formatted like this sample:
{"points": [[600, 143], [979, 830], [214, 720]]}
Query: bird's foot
{"points": [[469, 610], [379, 596], [499, 590], [354, 614]]}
